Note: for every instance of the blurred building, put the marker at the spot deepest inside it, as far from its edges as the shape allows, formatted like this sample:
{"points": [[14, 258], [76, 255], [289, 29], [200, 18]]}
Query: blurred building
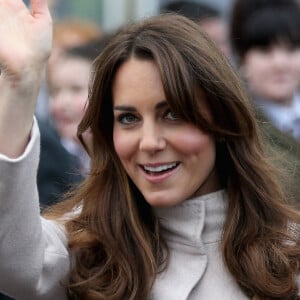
{"points": [[222, 5], [111, 14]]}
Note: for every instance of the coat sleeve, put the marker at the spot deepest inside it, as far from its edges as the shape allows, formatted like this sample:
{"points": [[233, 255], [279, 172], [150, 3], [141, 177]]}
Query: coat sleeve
{"points": [[34, 260]]}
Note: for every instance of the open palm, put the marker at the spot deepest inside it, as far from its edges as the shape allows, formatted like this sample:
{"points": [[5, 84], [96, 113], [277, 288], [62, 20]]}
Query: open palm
{"points": [[25, 36]]}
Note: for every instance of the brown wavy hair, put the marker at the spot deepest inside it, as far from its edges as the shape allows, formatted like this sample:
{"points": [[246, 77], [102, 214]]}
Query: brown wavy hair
{"points": [[115, 241]]}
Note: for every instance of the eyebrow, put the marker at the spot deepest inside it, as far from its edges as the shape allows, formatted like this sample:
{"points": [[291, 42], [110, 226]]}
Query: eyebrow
{"points": [[158, 106]]}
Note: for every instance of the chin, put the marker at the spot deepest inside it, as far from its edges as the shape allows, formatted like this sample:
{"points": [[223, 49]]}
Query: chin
{"points": [[162, 201]]}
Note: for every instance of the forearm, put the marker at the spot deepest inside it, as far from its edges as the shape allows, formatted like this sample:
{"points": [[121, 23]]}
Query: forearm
{"points": [[18, 98]]}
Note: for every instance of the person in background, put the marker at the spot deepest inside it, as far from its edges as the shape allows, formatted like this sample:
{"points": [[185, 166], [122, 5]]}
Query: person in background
{"points": [[265, 40], [207, 16], [59, 169], [265, 37], [67, 33], [181, 201], [68, 84], [63, 161]]}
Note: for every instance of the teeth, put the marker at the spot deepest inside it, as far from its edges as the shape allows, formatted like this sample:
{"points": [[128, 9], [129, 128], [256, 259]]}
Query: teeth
{"points": [[160, 168]]}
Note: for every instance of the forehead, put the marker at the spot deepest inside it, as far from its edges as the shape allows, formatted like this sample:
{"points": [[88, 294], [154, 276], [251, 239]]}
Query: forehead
{"points": [[135, 68], [137, 81], [74, 65], [72, 59]]}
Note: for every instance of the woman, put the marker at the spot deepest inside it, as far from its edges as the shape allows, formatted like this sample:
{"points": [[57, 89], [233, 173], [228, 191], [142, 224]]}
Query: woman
{"points": [[180, 202]]}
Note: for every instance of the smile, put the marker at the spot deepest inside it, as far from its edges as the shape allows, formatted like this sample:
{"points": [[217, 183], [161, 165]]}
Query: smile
{"points": [[159, 169]]}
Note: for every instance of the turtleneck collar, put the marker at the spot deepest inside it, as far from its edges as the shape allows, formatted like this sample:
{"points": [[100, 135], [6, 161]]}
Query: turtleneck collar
{"points": [[196, 221]]}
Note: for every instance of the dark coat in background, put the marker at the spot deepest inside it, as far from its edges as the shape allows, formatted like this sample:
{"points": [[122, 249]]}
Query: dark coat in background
{"points": [[58, 169], [285, 151]]}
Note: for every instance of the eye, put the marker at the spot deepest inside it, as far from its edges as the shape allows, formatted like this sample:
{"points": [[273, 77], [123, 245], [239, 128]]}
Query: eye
{"points": [[292, 48], [54, 91], [75, 89], [171, 115], [127, 118], [264, 49]]}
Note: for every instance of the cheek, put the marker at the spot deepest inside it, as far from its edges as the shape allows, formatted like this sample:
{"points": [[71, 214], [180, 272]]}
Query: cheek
{"points": [[295, 66], [193, 142], [124, 145], [254, 67], [53, 108], [80, 106]]}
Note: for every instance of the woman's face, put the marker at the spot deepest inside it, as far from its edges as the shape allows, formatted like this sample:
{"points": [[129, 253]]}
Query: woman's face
{"points": [[271, 72], [168, 159], [68, 89]]}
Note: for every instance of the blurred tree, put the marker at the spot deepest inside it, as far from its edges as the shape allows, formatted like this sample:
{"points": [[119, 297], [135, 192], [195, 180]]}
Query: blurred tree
{"points": [[91, 9]]}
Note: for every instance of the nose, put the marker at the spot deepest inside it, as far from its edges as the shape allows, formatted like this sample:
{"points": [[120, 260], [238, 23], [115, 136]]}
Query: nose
{"points": [[152, 138], [63, 100]]}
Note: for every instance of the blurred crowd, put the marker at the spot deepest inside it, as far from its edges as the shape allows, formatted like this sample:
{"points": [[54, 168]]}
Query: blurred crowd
{"points": [[261, 38]]}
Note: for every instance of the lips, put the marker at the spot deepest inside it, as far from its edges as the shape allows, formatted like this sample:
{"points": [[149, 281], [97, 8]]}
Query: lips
{"points": [[159, 169]]}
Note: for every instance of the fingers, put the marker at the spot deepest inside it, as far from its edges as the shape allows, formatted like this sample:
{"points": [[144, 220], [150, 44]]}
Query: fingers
{"points": [[26, 37], [39, 7]]}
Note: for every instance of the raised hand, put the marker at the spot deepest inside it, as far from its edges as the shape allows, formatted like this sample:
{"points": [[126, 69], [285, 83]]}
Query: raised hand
{"points": [[25, 36], [25, 45]]}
